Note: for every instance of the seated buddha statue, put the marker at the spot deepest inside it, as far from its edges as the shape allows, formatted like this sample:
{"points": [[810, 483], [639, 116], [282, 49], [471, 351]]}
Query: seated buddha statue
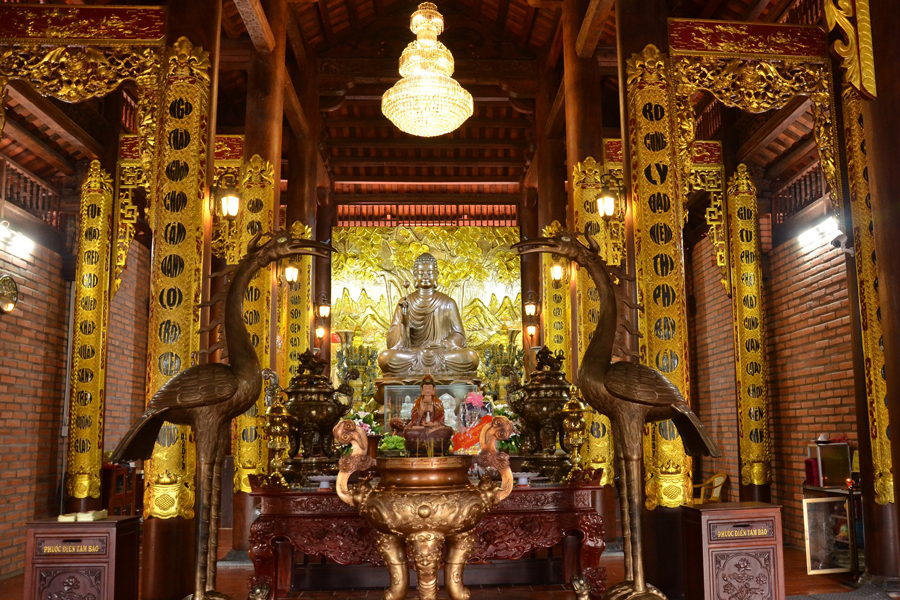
{"points": [[426, 431], [426, 333]]}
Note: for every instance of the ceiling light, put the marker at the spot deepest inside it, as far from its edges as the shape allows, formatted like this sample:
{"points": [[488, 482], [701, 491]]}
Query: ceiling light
{"points": [[426, 101]]}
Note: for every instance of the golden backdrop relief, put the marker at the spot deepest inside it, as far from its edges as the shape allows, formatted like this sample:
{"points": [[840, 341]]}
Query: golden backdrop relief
{"points": [[372, 267]]}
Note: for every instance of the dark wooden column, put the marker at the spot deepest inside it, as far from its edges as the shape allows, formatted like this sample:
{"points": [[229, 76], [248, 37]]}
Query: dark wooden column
{"points": [[883, 148], [551, 152], [326, 218], [301, 192], [581, 80], [167, 559], [265, 115]]}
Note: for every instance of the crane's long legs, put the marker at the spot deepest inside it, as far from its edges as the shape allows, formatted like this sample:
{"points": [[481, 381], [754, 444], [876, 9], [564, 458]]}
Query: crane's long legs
{"points": [[618, 447], [201, 553], [214, 515], [633, 466]]}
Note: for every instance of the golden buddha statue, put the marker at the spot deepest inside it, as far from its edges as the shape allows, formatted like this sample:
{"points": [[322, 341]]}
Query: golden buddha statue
{"points": [[426, 333]]}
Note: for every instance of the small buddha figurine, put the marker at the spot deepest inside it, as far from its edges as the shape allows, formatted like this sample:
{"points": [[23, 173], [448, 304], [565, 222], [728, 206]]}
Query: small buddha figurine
{"points": [[426, 333], [426, 431]]}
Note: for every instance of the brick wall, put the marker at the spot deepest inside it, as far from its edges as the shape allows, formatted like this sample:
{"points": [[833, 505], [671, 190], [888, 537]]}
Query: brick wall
{"points": [[32, 384], [127, 355], [810, 364], [712, 365]]}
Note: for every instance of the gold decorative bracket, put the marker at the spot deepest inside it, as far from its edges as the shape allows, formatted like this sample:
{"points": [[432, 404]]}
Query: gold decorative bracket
{"points": [[852, 19]]}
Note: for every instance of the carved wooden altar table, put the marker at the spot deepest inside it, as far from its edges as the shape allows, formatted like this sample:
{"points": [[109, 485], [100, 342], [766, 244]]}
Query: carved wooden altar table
{"points": [[531, 518]]}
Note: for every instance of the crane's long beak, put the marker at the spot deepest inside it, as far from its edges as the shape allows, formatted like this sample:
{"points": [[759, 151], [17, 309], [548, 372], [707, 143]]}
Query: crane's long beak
{"points": [[532, 246], [312, 248]]}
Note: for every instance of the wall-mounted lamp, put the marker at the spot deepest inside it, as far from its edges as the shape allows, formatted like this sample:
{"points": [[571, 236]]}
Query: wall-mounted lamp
{"points": [[556, 272], [320, 333], [16, 243], [291, 274], [531, 330], [323, 308], [611, 190], [9, 294], [530, 304], [231, 204]]}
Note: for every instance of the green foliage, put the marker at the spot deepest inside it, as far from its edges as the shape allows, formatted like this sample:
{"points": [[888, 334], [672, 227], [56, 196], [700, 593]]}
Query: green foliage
{"points": [[392, 442], [514, 443]]}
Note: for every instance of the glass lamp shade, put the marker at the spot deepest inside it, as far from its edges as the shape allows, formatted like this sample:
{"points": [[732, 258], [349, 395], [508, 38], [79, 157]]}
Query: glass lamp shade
{"points": [[531, 330], [291, 274], [606, 204], [320, 332], [530, 309], [231, 203], [324, 311], [556, 272]]}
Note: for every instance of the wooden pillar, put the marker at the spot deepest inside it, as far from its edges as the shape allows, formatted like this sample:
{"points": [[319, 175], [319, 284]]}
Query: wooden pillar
{"points": [[168, 541], [262, 137], [883, 146], [326, 218], [551, 154], [641, 26]]}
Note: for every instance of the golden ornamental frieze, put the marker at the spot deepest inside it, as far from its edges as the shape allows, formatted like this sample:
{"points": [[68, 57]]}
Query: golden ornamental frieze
{"points": [[186, 61], [76, 74], [757, 85]]}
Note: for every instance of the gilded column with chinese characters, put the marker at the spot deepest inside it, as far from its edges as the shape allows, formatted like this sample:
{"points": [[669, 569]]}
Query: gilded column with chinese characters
{"points": [[555, 311], [176, 266], [257, 185], [88, 385], [659, 259], [749, 336], [294, 311]]}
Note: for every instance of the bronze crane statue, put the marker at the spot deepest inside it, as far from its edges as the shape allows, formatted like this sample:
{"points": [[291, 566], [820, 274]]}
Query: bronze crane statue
{"points": [[208, 396], [629, 394]]}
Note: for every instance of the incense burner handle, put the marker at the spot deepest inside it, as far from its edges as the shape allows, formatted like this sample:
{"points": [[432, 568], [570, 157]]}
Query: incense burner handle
{"points": [[348, 432], [499, 429]]}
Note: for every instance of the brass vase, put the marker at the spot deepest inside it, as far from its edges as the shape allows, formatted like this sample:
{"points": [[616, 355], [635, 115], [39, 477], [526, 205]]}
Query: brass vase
{"points": [[423, 503]]}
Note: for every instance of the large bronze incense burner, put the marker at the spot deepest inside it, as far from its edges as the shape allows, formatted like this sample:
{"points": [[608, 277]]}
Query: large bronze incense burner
{"points": [[423, 503], [316, 407]]}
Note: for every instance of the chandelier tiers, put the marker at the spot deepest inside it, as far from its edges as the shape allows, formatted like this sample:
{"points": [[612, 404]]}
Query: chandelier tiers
{"points": [[426, 101]]}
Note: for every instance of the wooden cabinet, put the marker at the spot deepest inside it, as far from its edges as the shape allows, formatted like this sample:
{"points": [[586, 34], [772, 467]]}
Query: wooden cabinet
{"points": [[96, 560], [122, 490], [733, 550]]}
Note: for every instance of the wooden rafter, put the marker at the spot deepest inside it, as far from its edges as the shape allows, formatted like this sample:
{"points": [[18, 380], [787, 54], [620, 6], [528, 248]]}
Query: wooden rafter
{"points": [[257, 24], [794, 156], [293, 109], [426, 143], [459, 161], [55, 119], [438, 179], [556, 120], [14, 130], [773, 128], [598, 12], [432, 198], [527, 26]]}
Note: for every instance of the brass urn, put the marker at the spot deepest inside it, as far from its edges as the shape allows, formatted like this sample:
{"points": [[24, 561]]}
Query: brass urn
{"points": [[313, 404], [423, 503]]}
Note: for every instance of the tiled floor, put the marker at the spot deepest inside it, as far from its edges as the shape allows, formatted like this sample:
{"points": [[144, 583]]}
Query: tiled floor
{"points": [[233, 582]]}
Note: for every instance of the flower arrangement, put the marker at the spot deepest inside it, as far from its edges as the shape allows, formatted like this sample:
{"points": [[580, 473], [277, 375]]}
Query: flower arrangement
{"points": [[367, 421], [392, 444], [475, 399]]}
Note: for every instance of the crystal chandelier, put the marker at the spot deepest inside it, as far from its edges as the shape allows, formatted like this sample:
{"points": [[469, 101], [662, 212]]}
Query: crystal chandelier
{"points": [[426, 101]]}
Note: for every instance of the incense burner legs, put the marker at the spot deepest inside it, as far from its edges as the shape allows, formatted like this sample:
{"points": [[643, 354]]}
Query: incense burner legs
{"points": [[422, 503]]}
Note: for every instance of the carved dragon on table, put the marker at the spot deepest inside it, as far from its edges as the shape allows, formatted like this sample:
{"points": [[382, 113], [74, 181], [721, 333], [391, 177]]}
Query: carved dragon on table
{"points": [[629, 394], [207, 397]]}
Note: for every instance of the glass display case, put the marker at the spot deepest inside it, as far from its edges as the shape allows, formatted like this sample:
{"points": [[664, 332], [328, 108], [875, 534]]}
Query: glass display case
{"points": [[399, 400], [828, 535]]}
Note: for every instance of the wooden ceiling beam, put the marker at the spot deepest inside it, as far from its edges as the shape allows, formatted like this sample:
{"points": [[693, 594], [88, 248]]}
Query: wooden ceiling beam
{"points": [[384, 70], [293, 109], [16, 131], [555, 49], [295, 39], [325, 22], [502, 13], [773, 128], [54, 118], [400, 179], [755, 9], [426, 144], [257, 24], [429, 162], [556, 120], [433, 198], [792, 157], [551, 4], [710, 8], [598, 12], [527, 26]]}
